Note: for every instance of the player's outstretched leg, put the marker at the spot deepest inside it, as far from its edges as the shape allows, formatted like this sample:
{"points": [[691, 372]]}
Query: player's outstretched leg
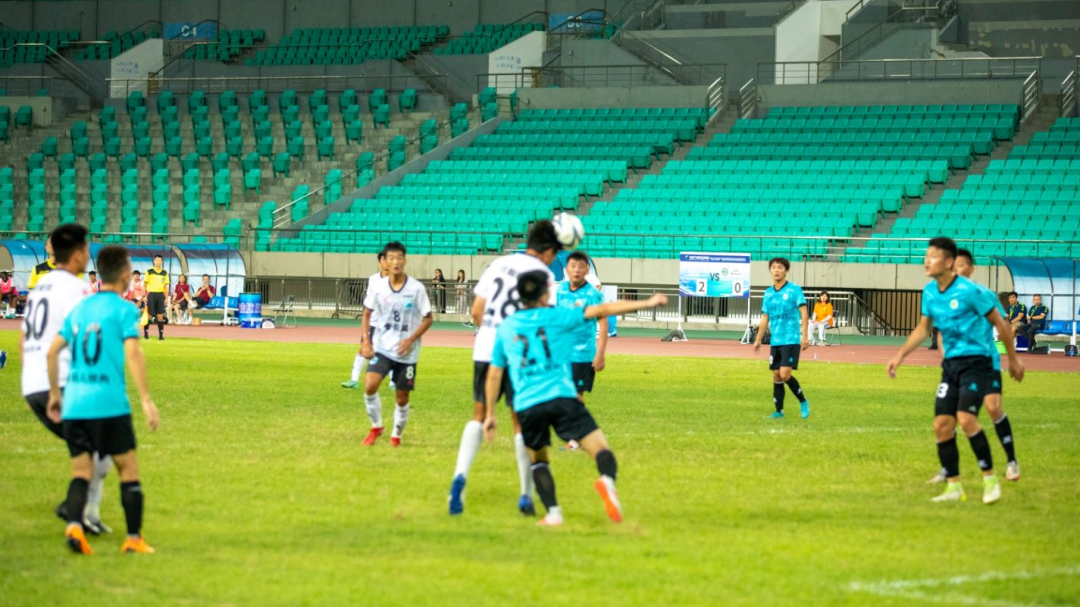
{"points": [[132, 499], [471, 438], [401, 417], [945, 429], [92, 516], [354, 377], [595, 444]]}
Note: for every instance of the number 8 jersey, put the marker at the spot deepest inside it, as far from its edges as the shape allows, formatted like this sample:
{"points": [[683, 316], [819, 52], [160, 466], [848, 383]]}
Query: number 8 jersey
{"points": [[498, 286], [49, 303]]}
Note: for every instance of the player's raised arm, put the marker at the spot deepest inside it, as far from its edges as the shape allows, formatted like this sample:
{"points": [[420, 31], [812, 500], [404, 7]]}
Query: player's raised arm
{"points": [[55, 394], [921, 332], [1016, 368], [616, 308]]}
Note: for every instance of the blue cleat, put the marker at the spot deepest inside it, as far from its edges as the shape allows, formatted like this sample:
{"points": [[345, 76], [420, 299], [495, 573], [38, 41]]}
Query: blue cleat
{"points": [[457, 493], [3, 359], [804, 407], [526, 507], [777, 415]]}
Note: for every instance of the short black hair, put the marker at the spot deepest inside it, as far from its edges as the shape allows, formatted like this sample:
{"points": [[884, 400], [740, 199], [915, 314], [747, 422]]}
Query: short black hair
{"points": [[137, 273], [93, 273], [112, 261], [393, 246], [543, 238], [66, 240], [206, 276], [1013, 294], [782, 261], [966, 253], [381, 255], [159, 257], [945, 244], [532, 286], [1039, 295], [578, 256]]}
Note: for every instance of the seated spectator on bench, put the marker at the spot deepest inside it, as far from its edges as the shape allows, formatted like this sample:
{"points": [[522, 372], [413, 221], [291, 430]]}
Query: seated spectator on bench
{"points": [[181, 302], [822, 318], [9, 294], [1017, 312], [136, 293], [205, 292], [1036, 318], [95, 284]]}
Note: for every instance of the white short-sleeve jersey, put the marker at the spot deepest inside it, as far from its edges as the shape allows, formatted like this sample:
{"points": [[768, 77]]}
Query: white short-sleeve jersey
{"points": [[498, 286], [53, 298], [399, 313]]}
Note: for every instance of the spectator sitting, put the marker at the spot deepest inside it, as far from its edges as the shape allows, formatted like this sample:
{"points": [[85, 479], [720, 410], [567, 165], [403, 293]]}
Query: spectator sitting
{"points": [[822, 318], [9, 294], [1035, 321], [136, 293], [95, 284], [181, 302], [1017, 313], [205, 292]]}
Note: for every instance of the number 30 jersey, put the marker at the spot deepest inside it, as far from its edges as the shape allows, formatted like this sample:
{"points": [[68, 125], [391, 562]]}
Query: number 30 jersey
{"points": [[395, 315], [498, 287], [52, 299]]}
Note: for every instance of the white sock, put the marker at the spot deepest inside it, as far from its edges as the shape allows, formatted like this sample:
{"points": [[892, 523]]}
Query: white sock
{"points": [[374, 409], [401, 417], [470, 444], [102, 465], [357, 366], [524, 465], [821, 333]]}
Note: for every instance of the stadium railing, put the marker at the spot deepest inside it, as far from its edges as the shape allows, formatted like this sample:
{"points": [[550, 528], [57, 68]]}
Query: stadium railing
{"points": [[621, 76], [1069, 93], [865, 70], [31, 86], [342, 297], [270, 84]]}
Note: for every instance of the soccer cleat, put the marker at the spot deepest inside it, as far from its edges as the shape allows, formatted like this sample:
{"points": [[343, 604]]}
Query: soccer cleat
{"points": [[804, 409], [457, 495], [991, 490], [373, 436], [1012, 471], [777, 415], [350, 385], [937, 478], [393, 386], [95, 527], [161, 338], [61, 511], [953, 493], [3, 358], [525, 506], [395, 441], [137, 545], [76, 540], [606, 488], [550, 520]]}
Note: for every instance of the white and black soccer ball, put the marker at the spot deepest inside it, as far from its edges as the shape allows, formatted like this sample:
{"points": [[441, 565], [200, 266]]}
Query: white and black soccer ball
{"points": [[569, 230]]}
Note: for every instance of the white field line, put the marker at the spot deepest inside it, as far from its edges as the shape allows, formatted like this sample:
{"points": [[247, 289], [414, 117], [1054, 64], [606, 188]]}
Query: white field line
{"points": [[861, 430], [916, 589]]}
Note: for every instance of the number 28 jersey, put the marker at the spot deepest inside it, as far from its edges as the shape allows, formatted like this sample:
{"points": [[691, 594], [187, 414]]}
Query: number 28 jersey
{"points": [[498, 287], [53, 298]]}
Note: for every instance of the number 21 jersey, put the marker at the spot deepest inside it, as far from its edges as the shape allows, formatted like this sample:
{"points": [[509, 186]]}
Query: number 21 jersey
{"points": [[498, 286], [53, 298]]}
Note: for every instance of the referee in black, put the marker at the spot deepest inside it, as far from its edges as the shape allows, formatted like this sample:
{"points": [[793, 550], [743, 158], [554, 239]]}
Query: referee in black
{"points": [[157, 297]]}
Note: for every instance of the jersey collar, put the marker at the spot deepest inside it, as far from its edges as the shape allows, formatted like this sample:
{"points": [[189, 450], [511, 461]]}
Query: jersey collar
{"points": [[947, 287], [786, 283]]}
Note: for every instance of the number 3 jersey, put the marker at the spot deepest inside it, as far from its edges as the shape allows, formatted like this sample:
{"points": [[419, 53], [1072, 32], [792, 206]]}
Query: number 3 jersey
{"points": [[95, 332], [54, 297], [398, 314], [535, 347], [498, 287]]}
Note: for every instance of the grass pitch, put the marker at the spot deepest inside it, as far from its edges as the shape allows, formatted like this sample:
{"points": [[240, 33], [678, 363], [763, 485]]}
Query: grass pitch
{"points": [[259, 493]]}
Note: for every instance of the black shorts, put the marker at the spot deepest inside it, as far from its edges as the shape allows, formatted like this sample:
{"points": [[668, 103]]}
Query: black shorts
{"points": [[479, 383], [11, 298], [995, 383], [107, 436], [39, 403], [584, 376], [402, 374], [183, 305], [784, 356], [965, 382], [155, 304], [568, 416]]}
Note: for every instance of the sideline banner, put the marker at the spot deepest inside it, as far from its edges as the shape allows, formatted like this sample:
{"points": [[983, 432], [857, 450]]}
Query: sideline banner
{"points": [[714, 275]]}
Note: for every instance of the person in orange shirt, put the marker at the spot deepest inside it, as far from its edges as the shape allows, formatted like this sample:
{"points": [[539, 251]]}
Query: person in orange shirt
{"points": [[822, 318]]}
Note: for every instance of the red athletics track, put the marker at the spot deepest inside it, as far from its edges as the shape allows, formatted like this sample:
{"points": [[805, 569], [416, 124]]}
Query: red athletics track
{"points": [[641, 346]]}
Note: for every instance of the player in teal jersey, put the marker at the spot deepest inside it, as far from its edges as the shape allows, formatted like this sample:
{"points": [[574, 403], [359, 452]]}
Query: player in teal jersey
{"points": [[535, 346], [587, 358], [784, 310], [101, 333], [957, 307]]}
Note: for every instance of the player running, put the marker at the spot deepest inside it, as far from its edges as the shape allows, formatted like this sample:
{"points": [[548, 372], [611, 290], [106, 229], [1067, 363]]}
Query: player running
{"points": [[100, 333], [536, 345], [158, 296], [784, 309], [965, 266], [358, 362], [56, 294], [401, 303], [496, 298], [957, 307]]}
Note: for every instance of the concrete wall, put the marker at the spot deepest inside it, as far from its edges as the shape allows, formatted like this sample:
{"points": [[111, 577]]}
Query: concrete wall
{"points": [[891, 93], [136, 63], [1003, 28], [461, 72], [741, 49], [611, 97], [42, 106], [527, 51]]}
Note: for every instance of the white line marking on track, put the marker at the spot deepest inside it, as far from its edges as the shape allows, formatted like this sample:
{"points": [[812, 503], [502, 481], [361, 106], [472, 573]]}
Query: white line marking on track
{"points": [[914, 589]]}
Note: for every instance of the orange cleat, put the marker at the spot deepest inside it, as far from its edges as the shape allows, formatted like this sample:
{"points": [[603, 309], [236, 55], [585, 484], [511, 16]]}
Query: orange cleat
{"points": [[606, 488], [373, 436], [76, 540], [395, 441], [137, 545]]}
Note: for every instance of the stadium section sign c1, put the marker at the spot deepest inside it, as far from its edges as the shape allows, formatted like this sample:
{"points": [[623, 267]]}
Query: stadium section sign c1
{"points": [[714, 275]]}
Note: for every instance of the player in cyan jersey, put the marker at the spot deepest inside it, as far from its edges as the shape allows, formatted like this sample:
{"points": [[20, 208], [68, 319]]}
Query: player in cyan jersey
{"points": [[496, 299], [101, 333], [535, 348], [401, 303], [784, 311], [959, 309], [589, 345], [358, 362]]}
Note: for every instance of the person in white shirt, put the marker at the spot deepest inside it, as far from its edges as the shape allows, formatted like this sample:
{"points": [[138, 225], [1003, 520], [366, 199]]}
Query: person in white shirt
{"points": [[54, 296], [358, 362], [402, 311], [497, 298]]}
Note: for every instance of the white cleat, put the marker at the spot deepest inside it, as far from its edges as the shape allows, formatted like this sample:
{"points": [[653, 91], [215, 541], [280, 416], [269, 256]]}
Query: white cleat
{"points": [[551, 519], [953, 493], [937, 478], [991, 490], [1012, 471]]}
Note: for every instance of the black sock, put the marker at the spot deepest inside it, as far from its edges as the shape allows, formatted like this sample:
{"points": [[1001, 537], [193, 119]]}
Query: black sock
{"points": [[131, 496], [76, 499], [1004, 432], [605, 463], [160, 328], [981, 447], [545, 484], [796, 389], [950, 457], [778, 395]]}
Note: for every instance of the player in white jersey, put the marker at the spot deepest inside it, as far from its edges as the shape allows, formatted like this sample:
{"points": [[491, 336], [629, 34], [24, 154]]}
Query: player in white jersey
{"points": [[54, 296], [397, 313], [497, 298], [358, 362]]}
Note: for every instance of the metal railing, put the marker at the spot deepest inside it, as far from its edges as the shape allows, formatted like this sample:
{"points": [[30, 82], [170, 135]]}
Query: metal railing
{"points": [[344, 297], [974, 68], [67, 70], [28, 86], [714, 98], [748, 99], [1030, 95], [179, 43], [586, 24], [1069, 88], [269, 84], [905, 17], [622, 76]]}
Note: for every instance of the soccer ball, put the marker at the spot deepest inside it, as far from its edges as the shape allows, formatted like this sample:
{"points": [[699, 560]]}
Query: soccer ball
{"points": [[569, 230]]}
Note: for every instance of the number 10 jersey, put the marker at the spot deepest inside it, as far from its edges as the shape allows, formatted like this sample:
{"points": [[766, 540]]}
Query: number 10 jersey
{"points": [[498, 286]]}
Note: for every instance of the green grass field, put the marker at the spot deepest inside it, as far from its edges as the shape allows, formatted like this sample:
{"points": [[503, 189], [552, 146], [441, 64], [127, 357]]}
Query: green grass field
{"points": [[259, 493]]}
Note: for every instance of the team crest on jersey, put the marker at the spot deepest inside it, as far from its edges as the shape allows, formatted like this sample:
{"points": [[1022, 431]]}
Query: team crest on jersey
{"points": [[785, 297], [954, 304]]}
